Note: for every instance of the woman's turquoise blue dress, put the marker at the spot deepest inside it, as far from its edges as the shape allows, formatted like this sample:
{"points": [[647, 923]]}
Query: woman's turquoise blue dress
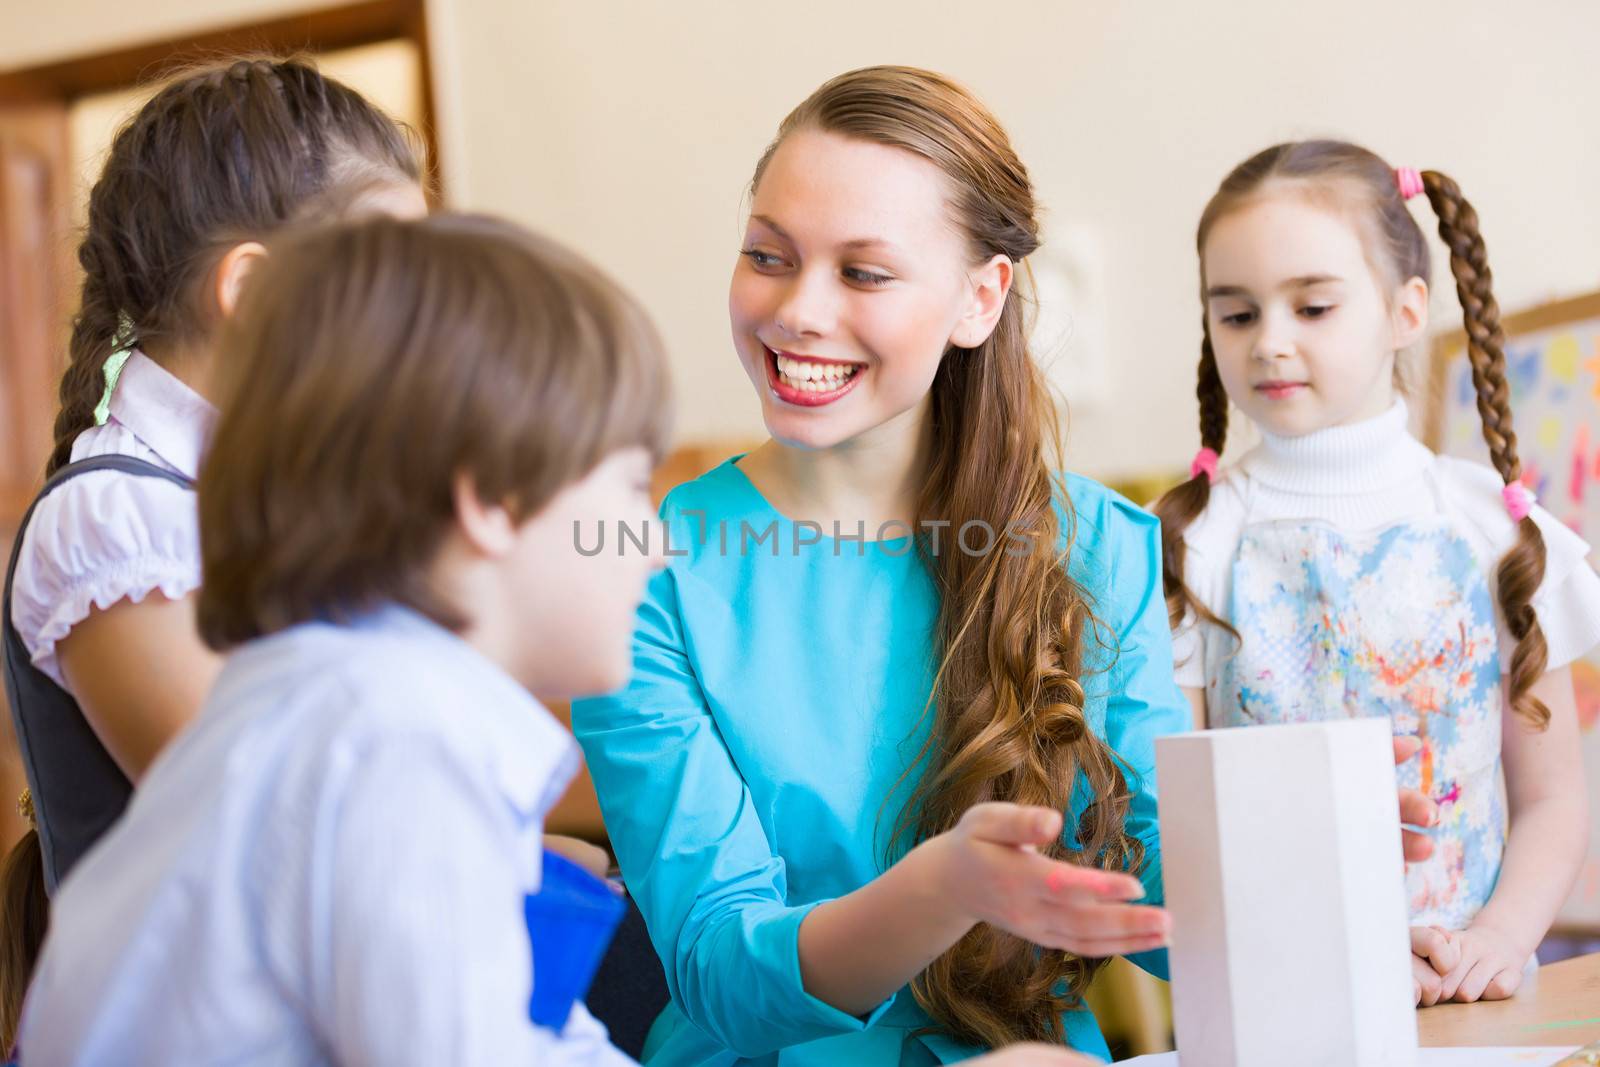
{"points": [[752, 767]]}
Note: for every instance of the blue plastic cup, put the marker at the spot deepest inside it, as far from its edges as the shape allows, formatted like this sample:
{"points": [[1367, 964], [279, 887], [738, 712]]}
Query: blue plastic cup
{"points": [[571, 920]]}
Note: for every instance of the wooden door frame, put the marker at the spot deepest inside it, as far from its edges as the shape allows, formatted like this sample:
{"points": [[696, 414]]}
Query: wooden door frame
{"points": [[325, 30], [35, 270]]}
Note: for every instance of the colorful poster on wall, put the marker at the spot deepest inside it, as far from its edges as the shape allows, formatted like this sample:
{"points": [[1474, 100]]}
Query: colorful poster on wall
{"points": [[1553, 368]]}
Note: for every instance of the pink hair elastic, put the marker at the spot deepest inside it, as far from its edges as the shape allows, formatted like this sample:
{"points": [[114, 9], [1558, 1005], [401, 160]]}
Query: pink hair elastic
{"points": [[1408, 181], [1519, 500], [1205, 462]]}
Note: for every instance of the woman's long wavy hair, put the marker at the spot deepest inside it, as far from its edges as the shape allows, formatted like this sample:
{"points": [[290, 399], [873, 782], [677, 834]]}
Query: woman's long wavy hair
{"points": [[1008, 699], [1352, 178]]}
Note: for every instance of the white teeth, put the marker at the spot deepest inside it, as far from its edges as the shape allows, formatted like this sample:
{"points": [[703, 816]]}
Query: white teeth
{"points": [[807, 371], [809, 377]]}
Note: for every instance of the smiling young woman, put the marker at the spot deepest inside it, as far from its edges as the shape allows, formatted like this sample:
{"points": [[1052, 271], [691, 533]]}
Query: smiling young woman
{"points": [[890, 798]]}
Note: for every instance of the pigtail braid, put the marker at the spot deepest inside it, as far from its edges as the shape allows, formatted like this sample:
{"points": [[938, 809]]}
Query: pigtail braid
{"points": [[1184, 502], [94, 334], [1522, 569]]}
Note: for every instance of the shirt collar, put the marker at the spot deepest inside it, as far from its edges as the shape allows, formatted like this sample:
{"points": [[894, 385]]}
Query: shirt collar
{"points": [[168, 416], [1375, 454], [535, 757]]}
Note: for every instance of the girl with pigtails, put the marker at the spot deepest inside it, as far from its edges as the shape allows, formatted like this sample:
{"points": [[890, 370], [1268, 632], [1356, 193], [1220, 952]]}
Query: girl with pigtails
{"points": [[1341, 569], [102, 661]]}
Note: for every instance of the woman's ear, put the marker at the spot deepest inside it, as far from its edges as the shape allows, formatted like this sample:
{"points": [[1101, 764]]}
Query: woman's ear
{"points": [[1409, 318], [990, 284], [231, 271]]}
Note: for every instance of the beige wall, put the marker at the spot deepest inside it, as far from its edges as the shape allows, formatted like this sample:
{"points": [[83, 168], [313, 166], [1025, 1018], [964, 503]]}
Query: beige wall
{"points": [[629, 130]]}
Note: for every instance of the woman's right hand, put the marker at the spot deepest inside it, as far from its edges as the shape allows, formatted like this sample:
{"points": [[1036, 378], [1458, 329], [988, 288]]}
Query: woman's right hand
{"points": [[990, 866], [1035, 1055]]}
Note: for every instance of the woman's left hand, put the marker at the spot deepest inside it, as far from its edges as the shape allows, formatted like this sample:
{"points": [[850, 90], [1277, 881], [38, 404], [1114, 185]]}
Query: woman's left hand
{"points": [[592, 858]]}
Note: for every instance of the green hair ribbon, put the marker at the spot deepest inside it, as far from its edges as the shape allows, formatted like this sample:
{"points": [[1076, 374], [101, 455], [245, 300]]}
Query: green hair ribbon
{"points": [[122, 348]]}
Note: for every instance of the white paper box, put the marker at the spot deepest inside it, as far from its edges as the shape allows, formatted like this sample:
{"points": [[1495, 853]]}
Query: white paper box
{"points": [[1281, 856]]}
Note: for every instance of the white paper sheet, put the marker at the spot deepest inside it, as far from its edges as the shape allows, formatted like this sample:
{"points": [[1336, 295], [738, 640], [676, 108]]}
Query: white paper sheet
{"points": [[1428, 1057]]}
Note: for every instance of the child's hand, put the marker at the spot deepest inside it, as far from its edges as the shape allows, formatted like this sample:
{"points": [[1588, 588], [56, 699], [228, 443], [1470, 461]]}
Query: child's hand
{"points": [[1490, 967], [1415, 808], [1434, 954], [1035, 1055], [990, 868]]}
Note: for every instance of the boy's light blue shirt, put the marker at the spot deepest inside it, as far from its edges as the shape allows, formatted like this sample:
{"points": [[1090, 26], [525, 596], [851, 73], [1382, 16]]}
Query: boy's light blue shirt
{"points": [[327, 867], [751, 769]]}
